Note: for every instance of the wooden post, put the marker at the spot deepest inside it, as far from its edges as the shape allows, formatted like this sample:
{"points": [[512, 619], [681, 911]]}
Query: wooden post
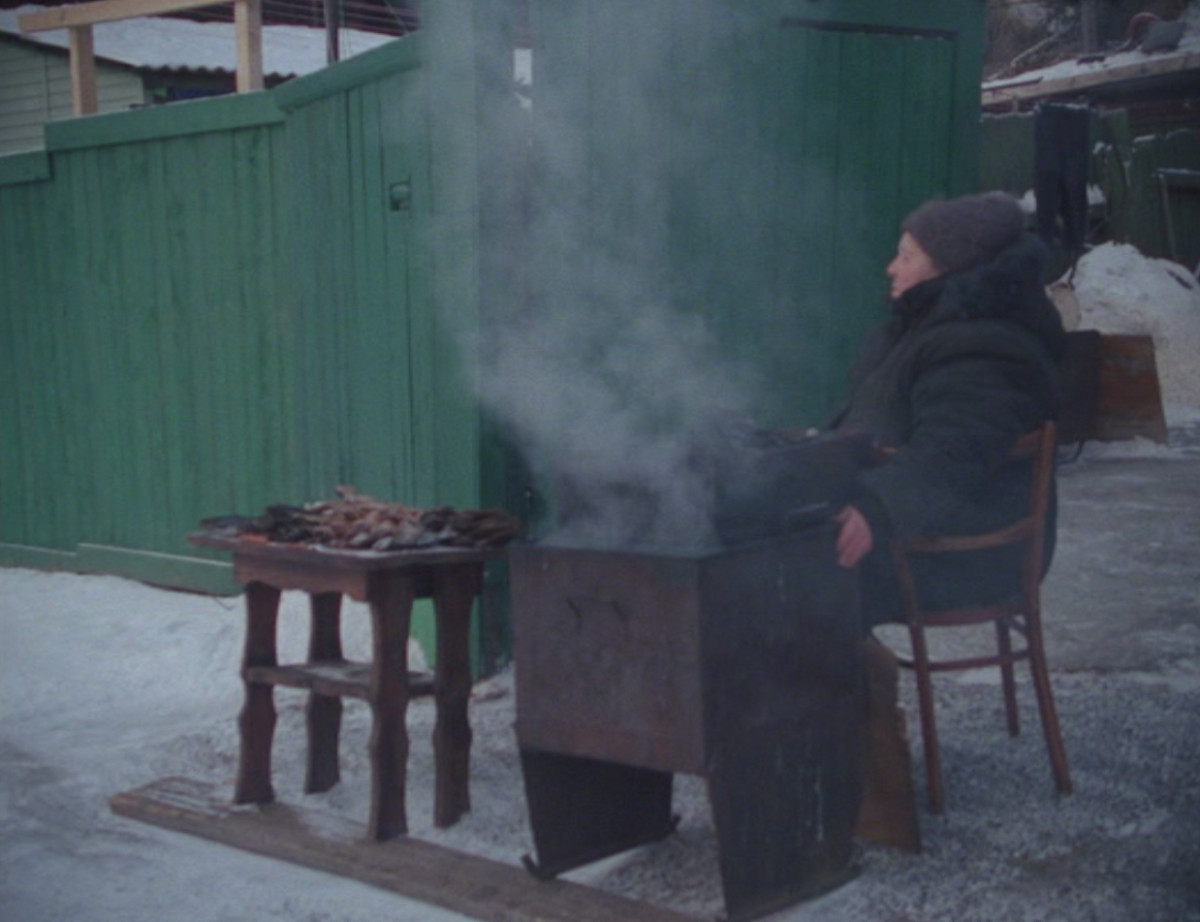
{"points": [[83, 70], [247, 17], [333, 51], [1089, 23], [78, 19]]}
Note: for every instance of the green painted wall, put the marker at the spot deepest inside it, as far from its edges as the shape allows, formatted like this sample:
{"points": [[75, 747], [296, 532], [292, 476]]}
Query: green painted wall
{"points": [[1141, 216], [747, 163], [139, 288], [212, 306], [221, 304], [1126, 171]]}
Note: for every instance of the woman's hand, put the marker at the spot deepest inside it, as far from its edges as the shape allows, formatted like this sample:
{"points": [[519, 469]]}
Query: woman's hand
{"points": [[854, 538]]}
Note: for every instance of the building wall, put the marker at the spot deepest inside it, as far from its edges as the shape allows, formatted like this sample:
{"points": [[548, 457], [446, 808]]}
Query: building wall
{"points": [[35, 88]]}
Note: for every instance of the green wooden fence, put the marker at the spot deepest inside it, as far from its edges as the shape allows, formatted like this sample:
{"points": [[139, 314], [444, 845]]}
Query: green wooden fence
{"points": [[1157, 196], [748, 163], [1150, 185], [216, 305], [212, 306]]}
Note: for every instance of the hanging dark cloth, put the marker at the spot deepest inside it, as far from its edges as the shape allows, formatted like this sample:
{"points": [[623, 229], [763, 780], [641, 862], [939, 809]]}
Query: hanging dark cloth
{"points": [[1060, 166]]}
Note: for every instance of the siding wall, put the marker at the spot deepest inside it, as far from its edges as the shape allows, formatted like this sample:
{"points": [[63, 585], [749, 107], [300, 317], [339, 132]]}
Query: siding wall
{"points": [[35, 88]]}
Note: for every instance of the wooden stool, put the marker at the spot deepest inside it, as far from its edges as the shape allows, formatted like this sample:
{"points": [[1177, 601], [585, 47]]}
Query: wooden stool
{"points": [[388, 582]]}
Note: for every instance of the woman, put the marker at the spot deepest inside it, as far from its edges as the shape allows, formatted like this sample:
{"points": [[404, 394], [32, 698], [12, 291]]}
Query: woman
{"points": [[965, 365]]}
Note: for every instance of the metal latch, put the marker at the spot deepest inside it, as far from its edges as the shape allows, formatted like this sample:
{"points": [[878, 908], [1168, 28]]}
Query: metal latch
{"points": [[400, 195]]}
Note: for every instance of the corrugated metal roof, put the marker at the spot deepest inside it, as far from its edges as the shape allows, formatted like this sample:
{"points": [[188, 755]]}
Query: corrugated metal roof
{"points": [[158, 43]]}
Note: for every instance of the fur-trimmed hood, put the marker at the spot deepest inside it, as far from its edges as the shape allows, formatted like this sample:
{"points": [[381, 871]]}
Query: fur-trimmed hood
{"points": [[1008, 289]]}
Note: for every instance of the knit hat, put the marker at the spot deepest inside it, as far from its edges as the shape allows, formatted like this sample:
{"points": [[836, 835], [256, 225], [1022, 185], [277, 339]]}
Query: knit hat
{"points": [[968, 231]]}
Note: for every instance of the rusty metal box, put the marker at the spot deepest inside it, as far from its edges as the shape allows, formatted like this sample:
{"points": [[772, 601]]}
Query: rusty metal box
{"points": [[741, 664]]}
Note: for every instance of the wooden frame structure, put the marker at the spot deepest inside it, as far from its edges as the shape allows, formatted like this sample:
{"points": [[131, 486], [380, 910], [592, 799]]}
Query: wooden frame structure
{"points": [[1025, 91], [79, 20]]}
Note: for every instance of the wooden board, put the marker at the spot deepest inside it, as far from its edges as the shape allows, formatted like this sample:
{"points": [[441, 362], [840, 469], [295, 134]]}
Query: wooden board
{"points": [[1129, 399], [456, 881], [1111, 389], [1007, 94]]}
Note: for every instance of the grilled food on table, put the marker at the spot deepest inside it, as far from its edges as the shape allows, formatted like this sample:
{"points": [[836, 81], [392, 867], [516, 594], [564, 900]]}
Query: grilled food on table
{"points": [[360, 522]]}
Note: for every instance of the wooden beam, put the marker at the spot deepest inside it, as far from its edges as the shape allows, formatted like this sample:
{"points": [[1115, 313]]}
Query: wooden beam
{"points": [[1019, 90], [247, 18], [333, 51], [83, 71], [248, 28], [459, 882], [1089, 18], [86, 14]]}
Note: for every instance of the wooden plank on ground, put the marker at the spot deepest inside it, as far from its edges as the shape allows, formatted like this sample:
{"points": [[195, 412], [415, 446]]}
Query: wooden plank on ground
{"points": [[468, 884]]}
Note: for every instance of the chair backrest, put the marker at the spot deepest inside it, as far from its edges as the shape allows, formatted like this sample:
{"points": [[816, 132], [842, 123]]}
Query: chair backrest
{"points": [[1038, 445]]}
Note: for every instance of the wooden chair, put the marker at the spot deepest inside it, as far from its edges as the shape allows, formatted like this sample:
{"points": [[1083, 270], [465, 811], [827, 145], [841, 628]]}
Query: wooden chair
{"points": [[1020, 614]]}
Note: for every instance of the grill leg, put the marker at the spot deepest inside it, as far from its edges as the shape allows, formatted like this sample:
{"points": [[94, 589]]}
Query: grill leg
{"points": [[582, 810]]}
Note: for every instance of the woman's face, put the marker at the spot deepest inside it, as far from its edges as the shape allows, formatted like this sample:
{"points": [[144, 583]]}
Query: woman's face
{"points": [[911, 265]]}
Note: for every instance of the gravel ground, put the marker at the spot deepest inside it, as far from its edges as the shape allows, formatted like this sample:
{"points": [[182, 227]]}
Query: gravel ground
{"points": [[107, 685]]}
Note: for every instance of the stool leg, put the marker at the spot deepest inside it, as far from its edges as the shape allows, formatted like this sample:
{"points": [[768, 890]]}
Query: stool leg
{"points": [[390, 596], [1007, 681], [455, 589], [256, 723], [324, 712], [933, 761], [1045, 697]]}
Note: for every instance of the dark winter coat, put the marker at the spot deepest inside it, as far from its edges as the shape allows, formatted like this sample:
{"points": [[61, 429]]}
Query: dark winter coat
{"points": [[966, 364]]}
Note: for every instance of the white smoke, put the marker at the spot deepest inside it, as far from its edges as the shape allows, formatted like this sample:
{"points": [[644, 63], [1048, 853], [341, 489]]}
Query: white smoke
{"points": [[606, 372], [612, 405]]}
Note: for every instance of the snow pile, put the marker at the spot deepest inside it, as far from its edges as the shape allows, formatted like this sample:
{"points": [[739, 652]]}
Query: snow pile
{"points": [[1118, 290]]}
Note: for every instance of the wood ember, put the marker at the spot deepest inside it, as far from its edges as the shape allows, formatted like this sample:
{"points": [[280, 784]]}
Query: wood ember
{"points": [[361, 522]]}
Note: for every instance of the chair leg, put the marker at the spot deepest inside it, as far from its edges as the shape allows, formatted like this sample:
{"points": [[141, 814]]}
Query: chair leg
{"points": [[1049, 715], [933, 761], [1007, 681]]}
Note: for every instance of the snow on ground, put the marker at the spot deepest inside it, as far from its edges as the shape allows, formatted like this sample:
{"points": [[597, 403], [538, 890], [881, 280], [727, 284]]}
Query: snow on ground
{"points": [[106, 685]]}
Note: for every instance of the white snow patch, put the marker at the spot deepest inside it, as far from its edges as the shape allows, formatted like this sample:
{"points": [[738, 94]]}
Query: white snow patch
{"points": [[1118, 290]]}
